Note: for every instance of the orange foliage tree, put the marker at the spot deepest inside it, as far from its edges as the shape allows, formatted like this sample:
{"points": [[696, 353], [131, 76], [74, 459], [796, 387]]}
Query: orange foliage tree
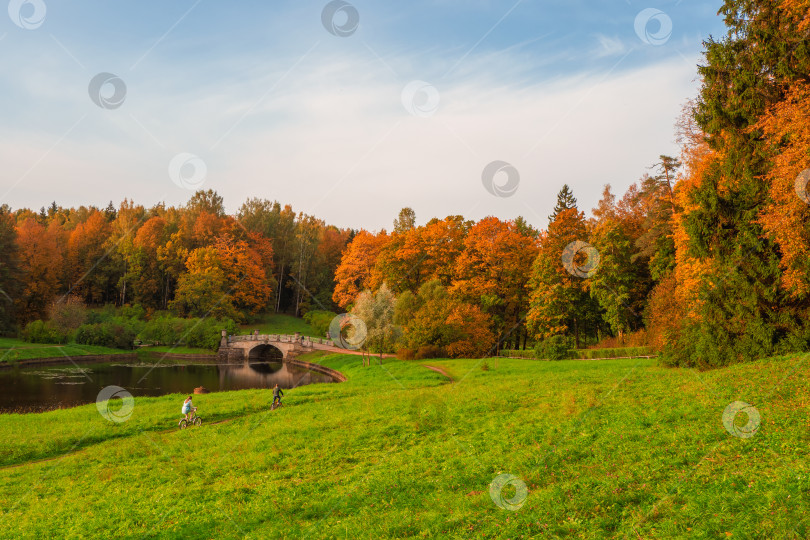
{"points": [[435, 318], [148, 270], [41, 266], [787, 215], [419, 254], [89, 262], [493, 272], [227, 279], [356, 271]]}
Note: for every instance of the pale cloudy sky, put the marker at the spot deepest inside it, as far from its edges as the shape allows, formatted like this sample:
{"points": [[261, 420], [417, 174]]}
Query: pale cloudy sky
{"points": [[406, 108]]}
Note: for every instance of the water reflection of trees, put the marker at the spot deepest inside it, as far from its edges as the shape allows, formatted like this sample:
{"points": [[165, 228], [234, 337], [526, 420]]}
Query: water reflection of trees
{"points": [[36, 389], [266, 375]]}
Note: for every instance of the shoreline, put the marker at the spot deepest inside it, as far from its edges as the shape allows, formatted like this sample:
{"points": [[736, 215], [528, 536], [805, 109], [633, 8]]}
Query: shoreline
{"points": [[68, 360], [100, 358]]}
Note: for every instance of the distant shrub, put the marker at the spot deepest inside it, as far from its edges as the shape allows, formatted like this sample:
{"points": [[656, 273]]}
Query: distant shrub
{"points": [[68, 315], [633, 339], [164, 330], [199, 333], [135, 311], [622, 352], [131, 317], [466, 348], [100, 315], [554, 348], [517, 353], [319, 320], [107, 334], [429, 351], [549, 350], [207, 333], [406, 354], [44, 332]]}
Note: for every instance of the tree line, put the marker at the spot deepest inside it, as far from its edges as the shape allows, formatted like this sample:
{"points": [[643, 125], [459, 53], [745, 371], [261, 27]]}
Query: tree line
{"points": [[703, 259], [193, 260]]}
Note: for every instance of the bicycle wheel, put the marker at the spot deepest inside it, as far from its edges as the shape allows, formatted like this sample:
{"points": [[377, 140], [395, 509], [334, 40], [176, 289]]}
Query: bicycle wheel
{"points": [[197, 421], [183, 423]]}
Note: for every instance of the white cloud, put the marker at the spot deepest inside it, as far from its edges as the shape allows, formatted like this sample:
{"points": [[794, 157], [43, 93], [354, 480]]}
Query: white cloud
{"points": [[332, 138], [609, 46]]}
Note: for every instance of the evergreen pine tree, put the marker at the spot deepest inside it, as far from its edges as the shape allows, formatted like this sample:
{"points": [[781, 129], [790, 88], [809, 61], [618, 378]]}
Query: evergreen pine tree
{"points": [[742, 313], [565, 201]]}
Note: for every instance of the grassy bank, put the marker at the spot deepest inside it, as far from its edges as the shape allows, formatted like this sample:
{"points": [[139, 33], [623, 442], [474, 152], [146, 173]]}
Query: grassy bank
{"points": [[12, 350], [614, 448]]}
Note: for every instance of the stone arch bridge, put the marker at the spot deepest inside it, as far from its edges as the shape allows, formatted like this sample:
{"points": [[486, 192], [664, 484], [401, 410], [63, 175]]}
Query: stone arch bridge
{"points": [[238, 349]]}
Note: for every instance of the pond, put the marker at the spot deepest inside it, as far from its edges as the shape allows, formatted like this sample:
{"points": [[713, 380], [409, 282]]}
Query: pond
{"points": [[44, 388]]}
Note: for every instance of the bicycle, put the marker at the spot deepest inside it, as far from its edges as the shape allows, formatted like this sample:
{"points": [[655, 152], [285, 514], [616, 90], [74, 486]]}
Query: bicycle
{"points": [[275, 404], [193, 421]]}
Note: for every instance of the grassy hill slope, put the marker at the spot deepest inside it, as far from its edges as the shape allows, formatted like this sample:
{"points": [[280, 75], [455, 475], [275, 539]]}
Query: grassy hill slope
{"points": [[617, 448], [278, 323]]}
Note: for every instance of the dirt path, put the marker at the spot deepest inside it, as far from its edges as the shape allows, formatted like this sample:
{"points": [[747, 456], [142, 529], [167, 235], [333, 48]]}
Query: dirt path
{"points": [[441, 372]]}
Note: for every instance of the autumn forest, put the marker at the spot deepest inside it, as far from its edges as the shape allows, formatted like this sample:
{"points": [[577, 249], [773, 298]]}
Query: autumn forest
{"points": [[703, 259]]}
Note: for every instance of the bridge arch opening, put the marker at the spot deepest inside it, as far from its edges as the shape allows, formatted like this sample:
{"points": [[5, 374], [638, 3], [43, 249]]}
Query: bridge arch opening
{"points": [[265, 353]]}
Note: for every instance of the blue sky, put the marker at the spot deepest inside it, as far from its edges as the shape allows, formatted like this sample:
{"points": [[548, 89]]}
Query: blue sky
{"points": [[259, 99]]}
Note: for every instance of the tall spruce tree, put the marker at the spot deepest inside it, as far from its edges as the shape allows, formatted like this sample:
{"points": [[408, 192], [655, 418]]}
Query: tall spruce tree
{"points": [[743, 312], [559, 302], [565, 201]]}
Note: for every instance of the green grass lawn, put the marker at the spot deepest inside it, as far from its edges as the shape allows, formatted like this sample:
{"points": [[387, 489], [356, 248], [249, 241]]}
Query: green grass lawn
{"points": [[15, 349], [276, 323], [606, 449]]}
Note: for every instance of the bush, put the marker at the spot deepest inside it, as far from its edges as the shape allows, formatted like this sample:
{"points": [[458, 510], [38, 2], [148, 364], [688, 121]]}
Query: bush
{"points": [[429, 351], [164, 330], [44, 332], [588, 354], [207, 333], [200, 333], [67, 316], [638, 338], [100, 315], [133, 312], [518, 353], [554, 348], [128, 316], [319, 320], [406, 354], [106, 334]]}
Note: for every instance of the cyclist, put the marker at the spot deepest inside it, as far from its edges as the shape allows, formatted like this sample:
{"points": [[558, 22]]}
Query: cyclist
{"points": [[277, 394], [188, 408]]}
